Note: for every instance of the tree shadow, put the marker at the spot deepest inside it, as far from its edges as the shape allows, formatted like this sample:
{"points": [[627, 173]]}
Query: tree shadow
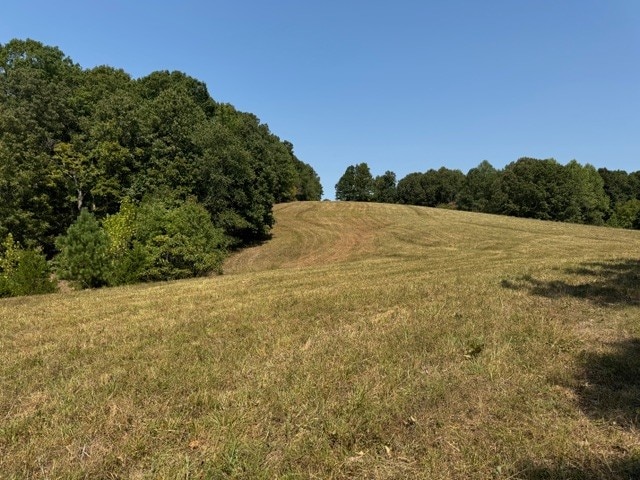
{"points": [[608, 283], [619, 469], [607, 385], [608, 390]]}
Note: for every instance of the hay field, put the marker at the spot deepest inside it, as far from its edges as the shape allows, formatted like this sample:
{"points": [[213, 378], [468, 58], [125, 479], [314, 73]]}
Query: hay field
{"points": [[362, 341]]}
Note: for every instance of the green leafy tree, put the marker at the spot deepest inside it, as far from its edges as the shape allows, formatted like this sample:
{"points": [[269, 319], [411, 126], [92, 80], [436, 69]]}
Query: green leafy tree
{"points": [[384, 188], [23, 272], [36, 111], [77, 168], [356, 184], [307, 182], [157, 241], [442, 186], [620, 187], [178, 242], [541, 189], [171, 152], [83, 253], [230, 188], [410, 190], [626, 215], [73, 138], [480, 189], [431, 189], [308, 186], [127, 258], [588, 188]]}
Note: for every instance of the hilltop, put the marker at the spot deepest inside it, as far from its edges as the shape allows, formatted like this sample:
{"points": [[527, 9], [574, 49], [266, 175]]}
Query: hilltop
{"points": [[362, 341]]}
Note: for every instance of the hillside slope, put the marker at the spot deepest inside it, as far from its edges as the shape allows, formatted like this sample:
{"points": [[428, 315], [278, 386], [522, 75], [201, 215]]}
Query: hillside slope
{"points": [[362, 341], [311, 234]]}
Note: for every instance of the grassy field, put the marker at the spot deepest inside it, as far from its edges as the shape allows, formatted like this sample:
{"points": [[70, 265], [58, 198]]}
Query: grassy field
{"points": [[363, 341]]}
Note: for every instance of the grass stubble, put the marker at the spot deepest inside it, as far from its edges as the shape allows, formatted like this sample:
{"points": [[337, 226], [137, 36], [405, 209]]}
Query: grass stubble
{"points": [[362, 341]]}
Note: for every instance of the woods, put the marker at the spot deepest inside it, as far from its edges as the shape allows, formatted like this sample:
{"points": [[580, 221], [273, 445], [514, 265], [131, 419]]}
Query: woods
{"points": [[528, 187], [75, 140]]}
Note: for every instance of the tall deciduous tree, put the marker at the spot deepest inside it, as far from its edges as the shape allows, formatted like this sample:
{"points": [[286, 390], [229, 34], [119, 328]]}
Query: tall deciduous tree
{"points": [[479, 192], [36, 112], [73, 138], [385, 188], [356, 184], [587, 186], [538, 189], [411, 191]]}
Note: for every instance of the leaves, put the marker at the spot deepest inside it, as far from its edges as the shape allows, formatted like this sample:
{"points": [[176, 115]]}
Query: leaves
{"points": [[356, 184], [73, 138]]}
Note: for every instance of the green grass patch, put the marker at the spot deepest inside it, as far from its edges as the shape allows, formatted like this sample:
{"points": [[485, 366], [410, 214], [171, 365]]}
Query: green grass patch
{"points": [[362, 341]]}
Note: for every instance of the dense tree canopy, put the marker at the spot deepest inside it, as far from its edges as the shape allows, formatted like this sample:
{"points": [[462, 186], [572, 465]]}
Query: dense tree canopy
{"points": [[78, 143], [528, 187], [432, 188], [356, 184], [385, 188], [479, 191], [73, 138]]}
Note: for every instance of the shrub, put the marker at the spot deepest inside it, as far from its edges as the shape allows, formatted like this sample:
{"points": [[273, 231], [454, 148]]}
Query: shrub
{"points": [[83, 253], [155, 242], [626, 215], [23, 272], [180, 242]]}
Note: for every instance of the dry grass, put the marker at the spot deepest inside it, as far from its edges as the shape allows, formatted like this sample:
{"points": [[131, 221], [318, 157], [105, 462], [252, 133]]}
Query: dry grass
{"points": [[363, 341]]}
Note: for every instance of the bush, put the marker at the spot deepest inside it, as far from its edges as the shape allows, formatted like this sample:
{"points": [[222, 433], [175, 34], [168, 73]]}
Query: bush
{"points": [[626, 215], [156, 242], [180, 242], [23, 272], [83, 253], [141, 243]]}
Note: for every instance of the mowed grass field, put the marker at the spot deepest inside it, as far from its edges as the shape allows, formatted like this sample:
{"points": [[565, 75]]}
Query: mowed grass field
{"points": [[362, 341]]}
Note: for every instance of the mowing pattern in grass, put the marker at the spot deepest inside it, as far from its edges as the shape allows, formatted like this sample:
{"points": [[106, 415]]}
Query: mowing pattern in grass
{"points": [[362, 341]]}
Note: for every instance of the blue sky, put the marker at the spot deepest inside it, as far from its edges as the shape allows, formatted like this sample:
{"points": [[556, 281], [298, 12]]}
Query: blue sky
{"points": [[404, 85]]}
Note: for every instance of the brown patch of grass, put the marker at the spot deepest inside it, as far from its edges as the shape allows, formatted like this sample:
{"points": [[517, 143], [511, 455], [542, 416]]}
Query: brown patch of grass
{"points": [[363, 341]]}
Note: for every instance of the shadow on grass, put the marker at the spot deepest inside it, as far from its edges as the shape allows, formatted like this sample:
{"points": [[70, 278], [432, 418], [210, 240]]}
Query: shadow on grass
{"points": [[608, 384], [625, 469], [608, 390], [249, 243], [609, 283], [609, 387]]}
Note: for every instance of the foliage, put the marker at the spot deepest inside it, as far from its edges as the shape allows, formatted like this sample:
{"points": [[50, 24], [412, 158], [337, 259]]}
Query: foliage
{"points": [[72, 138], [588, 189], [479, 192], [178, 242], [626, 215], [23, 272], [620, 186], [385, 188], [154, 241], [532, 188], [432, 188], [356, 184], [410, 190], [536, 189], [307, 182], [83, 257], [36, 112]]}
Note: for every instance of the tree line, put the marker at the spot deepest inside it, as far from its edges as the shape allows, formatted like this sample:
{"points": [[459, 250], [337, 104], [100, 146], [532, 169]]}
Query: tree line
{"points": [[529, 187], [95, 148]]}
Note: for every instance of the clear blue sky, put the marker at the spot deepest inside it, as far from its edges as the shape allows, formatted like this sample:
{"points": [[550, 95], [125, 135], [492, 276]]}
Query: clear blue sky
{"points": [[402, 85]]}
